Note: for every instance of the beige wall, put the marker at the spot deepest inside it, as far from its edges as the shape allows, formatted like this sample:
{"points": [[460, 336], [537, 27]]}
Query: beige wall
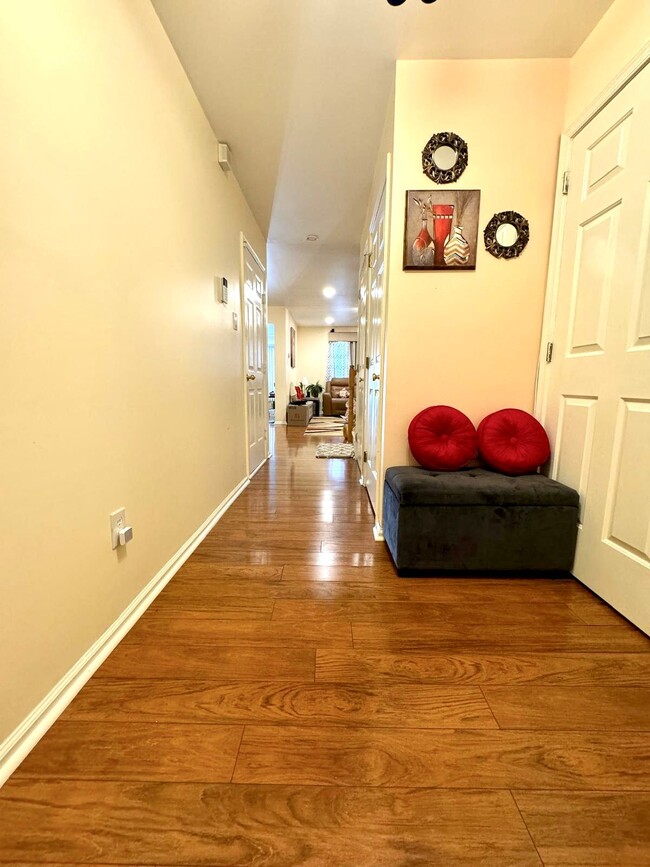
{"points": [[286, 376], [313, 343], [621, 33], [471, 339], [121, 378]]}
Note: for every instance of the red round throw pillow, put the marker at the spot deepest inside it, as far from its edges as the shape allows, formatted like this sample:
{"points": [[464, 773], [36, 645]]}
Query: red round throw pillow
{"points": [[442, 438], [513, 442]]}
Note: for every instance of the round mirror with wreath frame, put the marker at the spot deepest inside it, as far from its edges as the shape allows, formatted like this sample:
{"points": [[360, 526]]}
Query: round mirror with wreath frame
{"points": [[506, 218], [445, 175]]}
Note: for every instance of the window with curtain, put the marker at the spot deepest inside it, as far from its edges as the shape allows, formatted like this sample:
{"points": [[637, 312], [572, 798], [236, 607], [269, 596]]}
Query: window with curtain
{"points": [[339, 359]]}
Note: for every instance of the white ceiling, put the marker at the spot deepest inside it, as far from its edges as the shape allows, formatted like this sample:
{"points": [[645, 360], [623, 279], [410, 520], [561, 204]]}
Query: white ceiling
{"points": [[299, 90]]}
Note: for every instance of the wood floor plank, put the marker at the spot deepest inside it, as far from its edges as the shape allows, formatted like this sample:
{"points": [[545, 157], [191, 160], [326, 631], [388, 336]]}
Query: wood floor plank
{"points": [[367, 544], [243, 541], [77, 749], [444, 636], [570, 707], [326, 574], [313, 755], [220, 572], [441, 589], [211, 605], [595, 612], [194, 701], [280, 557], [256, 633], [394, 613], [260, 826], [204, 592], [237, 663], [588, 828], [561, 669]]}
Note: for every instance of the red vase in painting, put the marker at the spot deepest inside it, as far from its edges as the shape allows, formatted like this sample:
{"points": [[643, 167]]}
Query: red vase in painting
{"points": [[442, 217], [422, 250]]}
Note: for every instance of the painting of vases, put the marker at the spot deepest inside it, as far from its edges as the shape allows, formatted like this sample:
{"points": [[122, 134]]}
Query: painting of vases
{"points": [[441, 230]]}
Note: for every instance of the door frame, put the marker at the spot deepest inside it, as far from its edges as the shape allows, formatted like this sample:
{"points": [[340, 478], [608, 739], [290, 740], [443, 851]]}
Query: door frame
{"points": [[386, 191], [624, 77], [244, 247]]}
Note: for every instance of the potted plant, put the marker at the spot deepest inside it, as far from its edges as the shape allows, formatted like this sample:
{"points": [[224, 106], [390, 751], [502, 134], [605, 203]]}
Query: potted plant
{"points": [[315, 389]]}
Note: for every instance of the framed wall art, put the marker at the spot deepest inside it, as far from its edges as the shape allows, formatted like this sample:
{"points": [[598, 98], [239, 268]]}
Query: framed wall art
{"points": [[441, 230], [292, 347]]}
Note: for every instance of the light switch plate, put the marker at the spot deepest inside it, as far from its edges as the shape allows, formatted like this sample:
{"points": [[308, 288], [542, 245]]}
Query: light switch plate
{"points": [[118, 522], [235, 322]]}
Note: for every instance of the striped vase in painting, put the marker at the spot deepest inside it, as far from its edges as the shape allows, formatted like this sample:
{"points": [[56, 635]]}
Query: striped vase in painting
{"points": [[456, 248]]}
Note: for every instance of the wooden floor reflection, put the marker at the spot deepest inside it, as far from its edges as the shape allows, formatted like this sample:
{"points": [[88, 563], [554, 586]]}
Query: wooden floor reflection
{"points": [[288, 700]]}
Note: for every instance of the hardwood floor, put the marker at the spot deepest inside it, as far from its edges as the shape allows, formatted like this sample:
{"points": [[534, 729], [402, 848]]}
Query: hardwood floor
{"points": [[288, 700]]}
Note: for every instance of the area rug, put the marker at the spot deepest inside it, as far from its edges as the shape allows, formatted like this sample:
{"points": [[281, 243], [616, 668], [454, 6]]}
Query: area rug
{"points": [[335, 450], [328, 426]]}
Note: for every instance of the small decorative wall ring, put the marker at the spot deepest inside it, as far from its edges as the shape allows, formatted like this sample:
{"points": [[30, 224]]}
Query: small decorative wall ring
{"points": [[506, 235], [445, 157]]}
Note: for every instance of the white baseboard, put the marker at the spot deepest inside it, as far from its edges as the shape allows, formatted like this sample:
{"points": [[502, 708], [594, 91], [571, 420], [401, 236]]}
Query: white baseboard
{"points": [[257, 469], [378, 533], [25, 737]]}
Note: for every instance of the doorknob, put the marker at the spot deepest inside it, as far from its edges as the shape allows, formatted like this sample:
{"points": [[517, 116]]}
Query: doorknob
{"points": [[375, 377], [250, 376]]}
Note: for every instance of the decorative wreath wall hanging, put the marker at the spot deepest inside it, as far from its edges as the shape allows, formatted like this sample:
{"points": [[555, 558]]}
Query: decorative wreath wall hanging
{"points": [[518, 235], [444, 174]]}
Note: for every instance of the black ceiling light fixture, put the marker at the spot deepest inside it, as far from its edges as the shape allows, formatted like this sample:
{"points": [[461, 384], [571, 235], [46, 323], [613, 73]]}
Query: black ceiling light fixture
{"points": [[401, 2]]}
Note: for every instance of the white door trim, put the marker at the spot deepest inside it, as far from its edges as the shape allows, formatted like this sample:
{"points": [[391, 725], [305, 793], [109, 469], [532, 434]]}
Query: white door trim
{"points": [[625, 76], [386, 192], [244, 247], [378, 530]]}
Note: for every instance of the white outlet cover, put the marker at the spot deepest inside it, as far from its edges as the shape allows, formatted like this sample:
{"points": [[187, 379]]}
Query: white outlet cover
{"points": [[118, 521]]}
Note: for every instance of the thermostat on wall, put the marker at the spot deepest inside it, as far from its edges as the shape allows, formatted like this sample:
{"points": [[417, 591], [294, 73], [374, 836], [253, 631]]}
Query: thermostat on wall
{"points": [[224, 155], [221, 289]]}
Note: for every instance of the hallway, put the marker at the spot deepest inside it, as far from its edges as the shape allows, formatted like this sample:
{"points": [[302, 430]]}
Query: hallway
{"points": [[287, 700]]}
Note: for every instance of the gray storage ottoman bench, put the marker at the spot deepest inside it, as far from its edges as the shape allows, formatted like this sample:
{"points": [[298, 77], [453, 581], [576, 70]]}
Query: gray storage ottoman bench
{"points": [[477, 520]]}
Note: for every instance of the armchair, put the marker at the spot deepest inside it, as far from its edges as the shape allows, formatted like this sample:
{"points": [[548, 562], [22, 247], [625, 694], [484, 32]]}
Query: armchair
{"points": [[333, 403]]}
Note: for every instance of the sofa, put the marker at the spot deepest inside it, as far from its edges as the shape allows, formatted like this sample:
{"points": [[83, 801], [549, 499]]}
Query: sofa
{"points": [[333, 404]]}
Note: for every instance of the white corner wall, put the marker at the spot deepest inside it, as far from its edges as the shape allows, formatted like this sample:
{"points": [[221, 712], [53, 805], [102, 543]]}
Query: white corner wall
{"points": [[121, 377], [286, 377], [622, 32], [314, 349]]}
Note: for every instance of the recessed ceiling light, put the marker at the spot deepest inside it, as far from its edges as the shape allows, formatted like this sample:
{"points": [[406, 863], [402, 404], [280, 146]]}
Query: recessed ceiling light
{"points": [[329, 320], [329, 291], [312, 237]]}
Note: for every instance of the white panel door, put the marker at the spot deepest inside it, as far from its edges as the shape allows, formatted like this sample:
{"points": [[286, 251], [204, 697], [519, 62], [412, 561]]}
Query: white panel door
{"points": [[373, 348], [255, 349], [598, 406]]}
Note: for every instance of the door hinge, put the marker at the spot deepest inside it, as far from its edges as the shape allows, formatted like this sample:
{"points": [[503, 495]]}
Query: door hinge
{"points": [[367, 362], [565, 184], [365, 457], [549, 353]]}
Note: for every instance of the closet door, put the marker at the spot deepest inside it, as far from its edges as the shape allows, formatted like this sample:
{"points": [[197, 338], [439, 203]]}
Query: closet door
{"points": [[598, 407]]}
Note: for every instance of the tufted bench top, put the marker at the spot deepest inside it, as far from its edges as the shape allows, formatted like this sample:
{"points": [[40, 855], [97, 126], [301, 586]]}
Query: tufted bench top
{"points": [[414, 486]]}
